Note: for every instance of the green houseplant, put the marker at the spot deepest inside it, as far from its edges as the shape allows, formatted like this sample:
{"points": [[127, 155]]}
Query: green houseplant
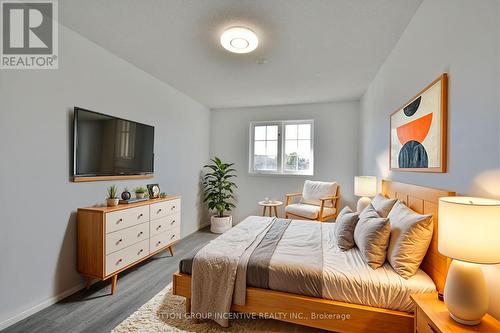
{"points": [[219, 193], [140, 192], [112, 198]]}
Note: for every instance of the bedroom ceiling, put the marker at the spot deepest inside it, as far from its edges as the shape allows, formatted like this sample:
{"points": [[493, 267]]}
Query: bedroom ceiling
{"points": [[309, 50]]}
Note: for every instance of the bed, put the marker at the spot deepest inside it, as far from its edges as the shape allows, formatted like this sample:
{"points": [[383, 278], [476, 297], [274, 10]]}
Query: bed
{"points": [[337, 292]]}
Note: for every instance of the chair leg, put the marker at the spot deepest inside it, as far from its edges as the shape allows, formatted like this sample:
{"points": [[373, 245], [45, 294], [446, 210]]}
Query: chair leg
{"points": [[264, 211]]}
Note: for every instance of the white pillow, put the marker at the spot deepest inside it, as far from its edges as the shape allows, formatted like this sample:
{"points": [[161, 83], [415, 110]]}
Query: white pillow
{"points": [[383, 205], [411, 234], [314, 190], [372, 236]]}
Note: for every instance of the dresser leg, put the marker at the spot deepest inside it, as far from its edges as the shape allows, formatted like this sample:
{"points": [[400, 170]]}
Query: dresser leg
{"points": [[188, 305], [171, 250], [114, 278], [88, 281]]}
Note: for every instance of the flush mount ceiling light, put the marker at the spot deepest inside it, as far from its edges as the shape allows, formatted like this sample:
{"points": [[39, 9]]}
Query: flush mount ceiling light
{"points": [[239, 40]]}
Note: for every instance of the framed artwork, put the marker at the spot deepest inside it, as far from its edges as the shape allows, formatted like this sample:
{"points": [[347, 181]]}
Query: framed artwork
{"points": [[154, 191], [419, 131]]}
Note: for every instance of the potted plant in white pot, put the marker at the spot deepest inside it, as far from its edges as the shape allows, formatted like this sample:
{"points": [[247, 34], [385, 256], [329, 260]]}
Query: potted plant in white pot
{"points": [[140, 192], [219, 194], [112, 199]]}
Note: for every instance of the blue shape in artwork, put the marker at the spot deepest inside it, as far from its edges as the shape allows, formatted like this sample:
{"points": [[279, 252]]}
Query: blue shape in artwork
{"points": [[413, 155]]}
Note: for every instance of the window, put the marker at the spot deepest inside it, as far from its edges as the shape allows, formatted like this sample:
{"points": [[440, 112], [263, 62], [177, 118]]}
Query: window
{"points": [[274, 153]]}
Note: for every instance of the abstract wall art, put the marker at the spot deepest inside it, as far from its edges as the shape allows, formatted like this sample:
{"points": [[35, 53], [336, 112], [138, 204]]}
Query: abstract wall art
{"points": [[419, 131]]}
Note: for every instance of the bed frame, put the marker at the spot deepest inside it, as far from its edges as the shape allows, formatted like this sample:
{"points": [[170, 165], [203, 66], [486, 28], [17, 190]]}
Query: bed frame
{"points": [[327, 314]]}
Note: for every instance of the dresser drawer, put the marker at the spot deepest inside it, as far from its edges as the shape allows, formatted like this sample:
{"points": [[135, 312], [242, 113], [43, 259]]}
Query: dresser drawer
{"points": [[126, 218], [162, 224], [119, 259], [163, 239], [125, 237], [424, 324], [165, 208]]}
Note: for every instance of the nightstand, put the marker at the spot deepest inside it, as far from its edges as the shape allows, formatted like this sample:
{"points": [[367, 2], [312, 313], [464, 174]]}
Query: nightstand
{"points": [[431, 316]]}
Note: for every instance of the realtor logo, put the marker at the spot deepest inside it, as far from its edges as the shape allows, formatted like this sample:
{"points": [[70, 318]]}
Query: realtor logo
{"points": [[29, 32]]}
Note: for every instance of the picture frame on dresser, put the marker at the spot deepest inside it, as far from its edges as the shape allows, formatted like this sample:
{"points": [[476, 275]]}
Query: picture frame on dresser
{"points": [[113, 239], [418, 131]]}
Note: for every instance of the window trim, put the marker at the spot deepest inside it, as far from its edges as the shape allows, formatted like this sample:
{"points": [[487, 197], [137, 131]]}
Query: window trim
{"points": [[281, 147]]}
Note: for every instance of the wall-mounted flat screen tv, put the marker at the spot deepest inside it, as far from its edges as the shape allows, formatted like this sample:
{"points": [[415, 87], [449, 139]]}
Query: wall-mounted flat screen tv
{"points": [[109, 146]]}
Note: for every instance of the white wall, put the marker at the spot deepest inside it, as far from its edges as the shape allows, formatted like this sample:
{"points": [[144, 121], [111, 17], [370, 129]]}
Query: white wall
{"points": [[336, 149], [460, 37], [38, 201]]}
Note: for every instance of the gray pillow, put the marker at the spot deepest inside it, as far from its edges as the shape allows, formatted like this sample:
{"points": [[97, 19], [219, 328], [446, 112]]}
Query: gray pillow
{"points": [[344, 228], [383, 205], [411, 235], [372, 236]]}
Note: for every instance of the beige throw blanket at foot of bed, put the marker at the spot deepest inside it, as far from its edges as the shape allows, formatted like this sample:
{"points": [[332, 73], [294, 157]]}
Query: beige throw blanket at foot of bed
{"points": [[215, 266]]}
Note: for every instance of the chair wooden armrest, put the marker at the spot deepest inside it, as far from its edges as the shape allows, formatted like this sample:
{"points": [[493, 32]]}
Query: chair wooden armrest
{"points": [[329, 198], [289, 196]]}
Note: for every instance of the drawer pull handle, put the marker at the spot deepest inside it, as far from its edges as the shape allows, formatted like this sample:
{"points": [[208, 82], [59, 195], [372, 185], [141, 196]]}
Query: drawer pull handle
{"points": [[140, 251], [158, 243], [120, 220], [140, 234], [172, 208], [159, 211], [173, 236], [158, 227], [171, 223], [432, 328], [119, 261], [140, 215], [118, 241]]}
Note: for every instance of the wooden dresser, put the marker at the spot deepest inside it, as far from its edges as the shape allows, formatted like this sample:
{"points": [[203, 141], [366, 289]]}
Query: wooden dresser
{"points": [[112, 239]]}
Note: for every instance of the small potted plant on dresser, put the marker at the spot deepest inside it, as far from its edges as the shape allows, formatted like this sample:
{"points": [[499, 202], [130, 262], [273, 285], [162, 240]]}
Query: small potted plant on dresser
{"points": [[140, 192], [219, 194], [112, 199]]}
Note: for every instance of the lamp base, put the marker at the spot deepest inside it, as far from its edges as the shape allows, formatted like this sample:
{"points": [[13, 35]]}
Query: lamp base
{"points": [[465, 293], [465, 322], [363, 202]]}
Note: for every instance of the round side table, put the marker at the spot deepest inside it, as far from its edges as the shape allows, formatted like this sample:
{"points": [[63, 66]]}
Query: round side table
{"points": [[270, 205]]}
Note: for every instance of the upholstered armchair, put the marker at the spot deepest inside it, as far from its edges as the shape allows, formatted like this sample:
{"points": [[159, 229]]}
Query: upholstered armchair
{"points": [[318, 201]]}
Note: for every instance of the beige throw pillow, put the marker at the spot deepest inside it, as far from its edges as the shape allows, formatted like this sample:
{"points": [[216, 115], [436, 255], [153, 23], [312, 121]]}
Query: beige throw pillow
{"points": [[344, 228], [411, 234], [315, 190], [383, 205], [372, 236]]}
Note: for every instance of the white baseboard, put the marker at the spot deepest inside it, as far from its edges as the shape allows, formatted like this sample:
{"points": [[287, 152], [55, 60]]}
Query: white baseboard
{"points": [[41, 306]]}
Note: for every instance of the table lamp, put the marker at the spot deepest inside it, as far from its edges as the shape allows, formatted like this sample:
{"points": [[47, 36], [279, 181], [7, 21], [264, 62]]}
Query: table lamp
{"points": [[364, 187], [468, 232]]}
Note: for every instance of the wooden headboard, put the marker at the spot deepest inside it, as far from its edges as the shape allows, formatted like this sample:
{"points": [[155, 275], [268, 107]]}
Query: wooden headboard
{"points": [[423, 200]]}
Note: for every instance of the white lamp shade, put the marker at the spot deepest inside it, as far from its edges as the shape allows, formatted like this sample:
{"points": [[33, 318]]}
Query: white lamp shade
{"points": [[365, 186], [469, 229]]}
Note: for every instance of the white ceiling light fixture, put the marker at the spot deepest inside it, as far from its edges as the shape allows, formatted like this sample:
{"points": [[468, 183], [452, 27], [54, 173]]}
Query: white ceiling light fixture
{"points": [[239, 40]]}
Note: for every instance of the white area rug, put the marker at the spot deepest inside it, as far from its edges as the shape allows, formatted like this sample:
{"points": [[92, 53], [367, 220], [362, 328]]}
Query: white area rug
{"points": [[165, 313]]}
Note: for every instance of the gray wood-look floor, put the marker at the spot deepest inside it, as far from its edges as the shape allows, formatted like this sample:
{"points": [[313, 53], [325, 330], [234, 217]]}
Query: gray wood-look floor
{"points": [[96, 310]]}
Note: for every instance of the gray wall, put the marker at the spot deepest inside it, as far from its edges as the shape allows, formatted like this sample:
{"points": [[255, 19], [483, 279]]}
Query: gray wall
{"points": [[461, 38], [38, 201], [336, 139]]}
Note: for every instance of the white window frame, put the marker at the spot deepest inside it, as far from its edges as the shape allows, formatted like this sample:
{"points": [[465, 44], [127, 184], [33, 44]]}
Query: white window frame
{"points": [[281, 148]]}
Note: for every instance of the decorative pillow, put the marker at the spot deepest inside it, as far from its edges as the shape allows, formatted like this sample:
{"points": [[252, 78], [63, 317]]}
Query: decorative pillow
{"points": [[383, 205], [372, 236], [344, 228], [314, 190], [411, 234]]}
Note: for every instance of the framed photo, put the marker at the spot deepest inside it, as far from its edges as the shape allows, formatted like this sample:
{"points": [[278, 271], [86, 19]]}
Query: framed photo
{"points": [[154, 191], [419, 131]]}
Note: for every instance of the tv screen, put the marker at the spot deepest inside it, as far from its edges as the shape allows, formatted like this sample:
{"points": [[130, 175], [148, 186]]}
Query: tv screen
{"points": [[110, 146]]}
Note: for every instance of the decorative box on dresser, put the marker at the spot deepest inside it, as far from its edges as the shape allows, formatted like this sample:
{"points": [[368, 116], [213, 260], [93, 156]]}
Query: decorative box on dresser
{"points": [[112, 239], [432, 316]]}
